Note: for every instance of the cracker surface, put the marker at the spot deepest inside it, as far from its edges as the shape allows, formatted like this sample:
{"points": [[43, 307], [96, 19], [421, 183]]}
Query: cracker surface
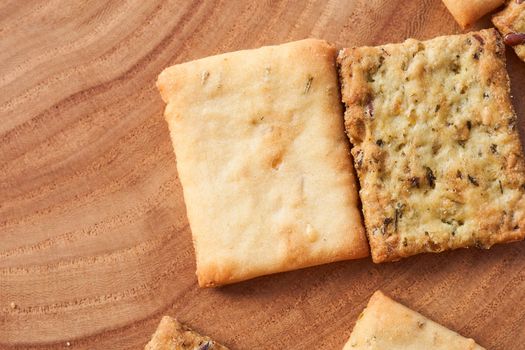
{"points": [[263, 161], [172, 335], [511, 23], [386, 324], [466, 12], [435, 144]]}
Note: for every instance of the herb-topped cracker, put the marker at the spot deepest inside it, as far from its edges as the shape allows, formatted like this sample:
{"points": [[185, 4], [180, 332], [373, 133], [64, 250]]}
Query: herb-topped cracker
{"points": [[386, 324], [172, 335], [435, 144], [511, 23], [466, 12], [263, 161]]}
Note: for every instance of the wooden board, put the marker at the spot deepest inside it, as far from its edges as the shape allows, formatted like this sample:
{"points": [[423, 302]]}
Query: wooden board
{"points": [[94, 242]]}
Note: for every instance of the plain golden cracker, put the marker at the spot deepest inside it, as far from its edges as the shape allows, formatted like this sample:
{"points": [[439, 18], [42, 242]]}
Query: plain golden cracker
{"points": [[386, 324], [263, 161], [466, 12]]}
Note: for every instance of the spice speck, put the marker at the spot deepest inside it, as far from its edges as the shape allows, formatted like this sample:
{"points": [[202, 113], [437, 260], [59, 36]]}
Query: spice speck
{"points": [[308, 84]]}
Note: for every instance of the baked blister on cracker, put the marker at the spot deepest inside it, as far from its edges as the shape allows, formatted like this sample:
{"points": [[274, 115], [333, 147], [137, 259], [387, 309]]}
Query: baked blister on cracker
{"points": [[511, 23], [435, 144], [466, 12], [172, 335], [386, 324], [263, 161]]}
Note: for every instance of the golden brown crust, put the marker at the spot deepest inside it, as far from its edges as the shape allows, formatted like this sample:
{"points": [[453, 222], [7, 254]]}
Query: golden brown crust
{"points": [[172, 335], [386, 324], [512, 20], [263, 161], [435, 144], [466, 12]]}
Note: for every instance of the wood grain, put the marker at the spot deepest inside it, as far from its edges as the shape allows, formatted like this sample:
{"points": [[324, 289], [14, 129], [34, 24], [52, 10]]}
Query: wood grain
{"points": [[94, 242]]}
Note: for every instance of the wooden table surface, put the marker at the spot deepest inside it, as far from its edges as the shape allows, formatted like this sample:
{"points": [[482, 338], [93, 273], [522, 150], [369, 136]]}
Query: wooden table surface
{"points": [[94, 242]]}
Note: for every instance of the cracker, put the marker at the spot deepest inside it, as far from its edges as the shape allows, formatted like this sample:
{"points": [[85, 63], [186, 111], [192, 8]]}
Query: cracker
{"points": [[386, 324], [466, 12], [263, 161], [435, 144], [511, 23], [172, 335]]}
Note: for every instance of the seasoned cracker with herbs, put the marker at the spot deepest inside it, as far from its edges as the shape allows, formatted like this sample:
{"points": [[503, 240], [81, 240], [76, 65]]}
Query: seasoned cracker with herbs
{"points": [[172, 335], [511, 23], [435, 144]]}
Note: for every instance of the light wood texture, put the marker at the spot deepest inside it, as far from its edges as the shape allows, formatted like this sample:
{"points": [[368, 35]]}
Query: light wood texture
{"points": [[94, 242]]}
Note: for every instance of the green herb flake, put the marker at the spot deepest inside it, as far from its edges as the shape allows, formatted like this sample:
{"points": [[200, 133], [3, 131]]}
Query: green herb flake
{"points": [[387, 221], [473, 180], [431, 178], [414, 181], [308, 84], [204, 77]]}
